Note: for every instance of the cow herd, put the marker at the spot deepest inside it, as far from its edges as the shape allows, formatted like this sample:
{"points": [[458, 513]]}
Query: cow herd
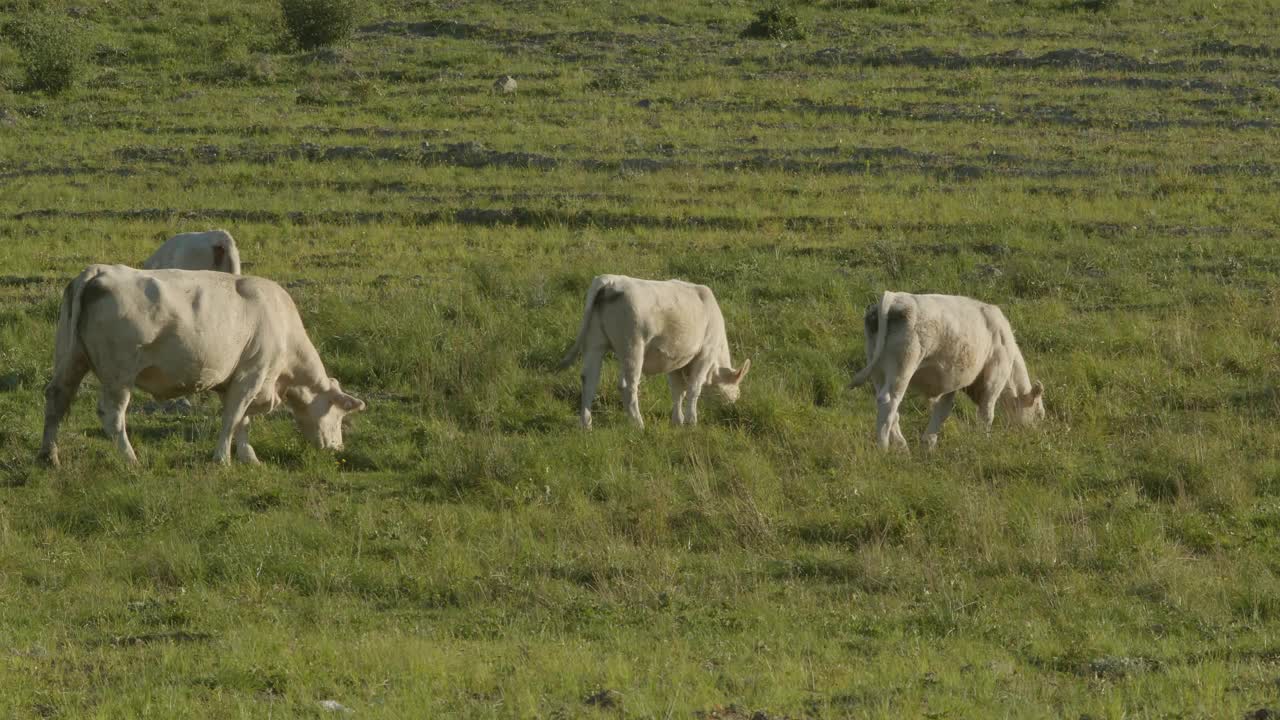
{"points": [[188, 321]]}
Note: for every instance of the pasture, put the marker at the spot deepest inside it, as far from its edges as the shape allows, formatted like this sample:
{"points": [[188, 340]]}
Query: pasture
{"points": [[1106, 172]]}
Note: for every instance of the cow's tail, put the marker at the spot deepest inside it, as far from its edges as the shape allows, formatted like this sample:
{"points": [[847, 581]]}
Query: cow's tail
{"points": [[882, 329], [66, 341], [598, 283], [224, 251]]}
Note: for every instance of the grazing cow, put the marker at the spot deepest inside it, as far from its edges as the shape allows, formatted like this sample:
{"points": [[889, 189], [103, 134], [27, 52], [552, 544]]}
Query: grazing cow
{"points": [[936, 345], [177, 332], [654, 326], [212, 250]]}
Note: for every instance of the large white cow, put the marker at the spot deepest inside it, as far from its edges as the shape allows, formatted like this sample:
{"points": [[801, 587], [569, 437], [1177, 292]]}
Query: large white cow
{"points": [[654, 326], [937, 345], [211, 250], [176, 332]]}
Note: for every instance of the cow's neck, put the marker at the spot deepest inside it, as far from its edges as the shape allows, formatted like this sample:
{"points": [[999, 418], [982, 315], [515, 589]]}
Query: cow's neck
{"points": [[1019, 380], [308, 371]]}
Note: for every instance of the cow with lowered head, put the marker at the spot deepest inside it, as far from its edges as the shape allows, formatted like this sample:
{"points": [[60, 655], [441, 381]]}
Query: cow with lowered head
{"points": [[938, 345], [654, 326], [173, 333]]}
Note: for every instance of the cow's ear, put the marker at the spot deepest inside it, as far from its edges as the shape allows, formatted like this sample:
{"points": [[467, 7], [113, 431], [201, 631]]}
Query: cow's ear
{"points": [[742, 372], [1037, 391], [348, 403]]}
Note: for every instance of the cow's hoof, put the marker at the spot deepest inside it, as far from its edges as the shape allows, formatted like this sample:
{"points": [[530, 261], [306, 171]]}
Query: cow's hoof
{"points": [[49, 458]]}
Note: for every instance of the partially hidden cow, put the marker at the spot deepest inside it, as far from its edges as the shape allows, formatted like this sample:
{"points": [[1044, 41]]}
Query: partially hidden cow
{"points": [[654, 326], [937, 345], [172, 333], [211, 250]]}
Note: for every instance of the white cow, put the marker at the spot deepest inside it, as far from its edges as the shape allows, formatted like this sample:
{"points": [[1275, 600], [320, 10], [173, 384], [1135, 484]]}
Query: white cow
{"points": [[654, 326], [936, 345], [177, 332], [212, 250]]}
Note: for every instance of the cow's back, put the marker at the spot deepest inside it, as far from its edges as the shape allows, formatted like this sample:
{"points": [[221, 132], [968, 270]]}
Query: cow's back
{"points": [[174, 331], [664, 307], [957, 337], [675, 321], [208, 250]]}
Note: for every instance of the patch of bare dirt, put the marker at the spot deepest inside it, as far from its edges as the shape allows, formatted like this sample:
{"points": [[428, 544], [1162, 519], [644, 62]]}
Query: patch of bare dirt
{"points": [[828, 160], [1032, 114], [733, 712], [475, 31], [1253, 169], [1226, 47], [178, 636], [1065, 58], [1166, 84]]}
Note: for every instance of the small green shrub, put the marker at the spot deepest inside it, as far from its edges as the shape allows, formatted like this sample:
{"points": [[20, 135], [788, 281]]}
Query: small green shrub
{"points": [[255, 69], [316, 23], [775, 22], [609, 80], [51, 49]]}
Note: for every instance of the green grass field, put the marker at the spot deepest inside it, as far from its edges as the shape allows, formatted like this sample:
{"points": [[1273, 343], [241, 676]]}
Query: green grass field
{"points": [[1108, 177]]}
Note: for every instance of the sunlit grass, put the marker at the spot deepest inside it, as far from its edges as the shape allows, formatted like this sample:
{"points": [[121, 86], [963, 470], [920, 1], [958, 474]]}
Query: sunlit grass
{"points": [[473, 554]]}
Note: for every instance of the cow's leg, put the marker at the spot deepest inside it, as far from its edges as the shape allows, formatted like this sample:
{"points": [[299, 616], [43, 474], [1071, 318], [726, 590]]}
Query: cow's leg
{"points": [[898, 438], [697, 379], [235, 403], [630, 370], [691, 404], [997, 378], [940, 408], [592, 362], [113, 404], [58, 395], [885, 412], [888, 398], [897, 377], [244, 451], [675, 380]]}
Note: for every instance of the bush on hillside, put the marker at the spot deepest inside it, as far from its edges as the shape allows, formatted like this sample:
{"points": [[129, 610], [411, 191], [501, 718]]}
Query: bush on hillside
{"points": [[316, 23], [775, 22], [51, 49]]}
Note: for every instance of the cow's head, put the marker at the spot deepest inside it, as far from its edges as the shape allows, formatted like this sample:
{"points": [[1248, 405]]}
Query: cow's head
{"points": [[728, 380], [319, 415], [1028, 409]]}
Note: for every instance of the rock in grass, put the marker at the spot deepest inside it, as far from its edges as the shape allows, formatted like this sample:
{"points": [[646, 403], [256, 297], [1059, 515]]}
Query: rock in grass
{"points": [[505, 85], [334, 706], [1117, 666], [604, 699]]}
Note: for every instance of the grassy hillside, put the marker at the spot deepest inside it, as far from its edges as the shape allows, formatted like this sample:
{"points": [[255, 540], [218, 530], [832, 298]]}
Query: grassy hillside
{"points": [[1108, 176]]}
